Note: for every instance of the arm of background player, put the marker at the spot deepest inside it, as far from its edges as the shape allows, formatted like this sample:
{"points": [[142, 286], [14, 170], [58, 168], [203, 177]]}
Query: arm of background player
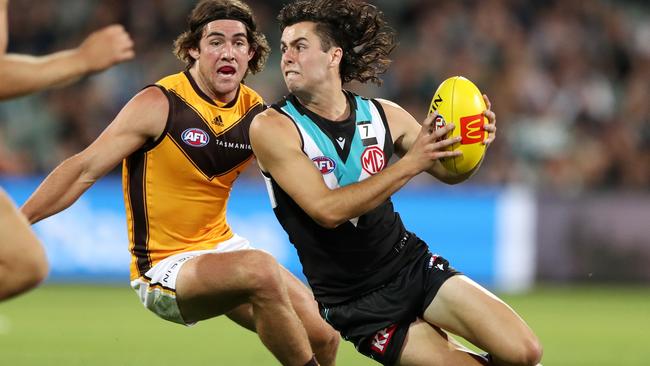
{"points": [[276, 144], [24, 74], [3, 26], [405, 129], [141, 120]]}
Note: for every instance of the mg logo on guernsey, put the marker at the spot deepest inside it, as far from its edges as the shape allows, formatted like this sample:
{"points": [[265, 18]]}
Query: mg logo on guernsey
{"points": [[381, 340], [324, 164], [195, 137], [373, 160], [471, 129]]}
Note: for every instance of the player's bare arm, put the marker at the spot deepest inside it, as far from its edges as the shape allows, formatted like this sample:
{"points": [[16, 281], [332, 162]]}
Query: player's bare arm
{"points": [[276, 144], [3, 26], [24, 74], [405, 131], [141, 120]]}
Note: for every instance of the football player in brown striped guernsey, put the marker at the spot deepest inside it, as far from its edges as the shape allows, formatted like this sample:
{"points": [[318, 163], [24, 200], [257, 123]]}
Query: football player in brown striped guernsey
{"points": [[182, 143]]}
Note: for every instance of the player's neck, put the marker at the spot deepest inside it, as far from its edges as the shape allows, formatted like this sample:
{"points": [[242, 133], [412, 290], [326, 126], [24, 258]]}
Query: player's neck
{"points": [[219, 98], [329, 104]]}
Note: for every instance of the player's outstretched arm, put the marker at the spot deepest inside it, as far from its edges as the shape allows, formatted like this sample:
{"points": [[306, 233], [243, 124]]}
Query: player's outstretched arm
{"points": [[3, 26], [276, 144], [141, 120], [24, 74]]}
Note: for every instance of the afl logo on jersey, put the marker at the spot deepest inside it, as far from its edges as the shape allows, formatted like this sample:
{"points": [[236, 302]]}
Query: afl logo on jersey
{"points": [[195, 137], [324, 164], [373, 160]]}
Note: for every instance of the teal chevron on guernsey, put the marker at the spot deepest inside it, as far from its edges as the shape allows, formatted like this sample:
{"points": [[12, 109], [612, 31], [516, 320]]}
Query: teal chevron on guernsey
{"points": [[318, 143]]}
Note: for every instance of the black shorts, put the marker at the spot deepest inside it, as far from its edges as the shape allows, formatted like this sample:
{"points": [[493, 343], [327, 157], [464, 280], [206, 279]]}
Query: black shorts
{"points": [[377, 322]]}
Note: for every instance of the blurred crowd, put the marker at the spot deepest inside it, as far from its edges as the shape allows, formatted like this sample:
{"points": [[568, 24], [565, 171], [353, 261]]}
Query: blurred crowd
{"points": [[568, 79]]}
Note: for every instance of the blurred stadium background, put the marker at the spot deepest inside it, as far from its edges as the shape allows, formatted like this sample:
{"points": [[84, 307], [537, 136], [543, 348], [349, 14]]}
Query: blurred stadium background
{"points": [[556, 221]]}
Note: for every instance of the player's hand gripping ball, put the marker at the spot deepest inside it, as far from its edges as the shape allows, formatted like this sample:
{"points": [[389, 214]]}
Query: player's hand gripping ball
{"points": [[459, 101]]}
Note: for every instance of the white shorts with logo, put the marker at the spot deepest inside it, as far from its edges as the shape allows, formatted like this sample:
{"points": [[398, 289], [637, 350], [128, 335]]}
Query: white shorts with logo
{"points": [[157, 288]]}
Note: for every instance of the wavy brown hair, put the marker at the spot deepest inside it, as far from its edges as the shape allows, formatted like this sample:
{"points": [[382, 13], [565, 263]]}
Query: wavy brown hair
{"points": [[209, 10], [357, 27]]}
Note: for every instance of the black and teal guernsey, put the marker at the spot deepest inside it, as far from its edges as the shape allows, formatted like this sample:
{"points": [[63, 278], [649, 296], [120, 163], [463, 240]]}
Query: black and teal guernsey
{"points": [[362, 254]]}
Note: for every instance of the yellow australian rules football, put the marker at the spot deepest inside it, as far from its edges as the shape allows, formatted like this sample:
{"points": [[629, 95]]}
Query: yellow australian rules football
{"points": [[459, 101]]}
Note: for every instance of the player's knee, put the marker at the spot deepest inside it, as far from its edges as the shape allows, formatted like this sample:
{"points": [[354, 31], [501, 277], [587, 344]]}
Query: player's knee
{"points": [[19, 276], [38, 268], [325, 344], [534, 352], [33, 269], [529, 352], [263, 274], [25, 266]]}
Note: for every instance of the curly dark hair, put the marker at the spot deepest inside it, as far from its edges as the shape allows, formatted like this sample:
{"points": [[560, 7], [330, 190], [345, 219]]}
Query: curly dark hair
{"points": [[210, 10], [357, 27]]}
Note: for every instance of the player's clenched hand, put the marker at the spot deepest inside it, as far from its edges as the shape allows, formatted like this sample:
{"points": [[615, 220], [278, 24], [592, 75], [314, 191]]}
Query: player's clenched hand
{"points": [[430, 144], [490, 127], [106, 47]]}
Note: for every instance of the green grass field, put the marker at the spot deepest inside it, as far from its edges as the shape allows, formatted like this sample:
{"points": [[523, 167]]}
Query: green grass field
{"points": [[103, 325]]}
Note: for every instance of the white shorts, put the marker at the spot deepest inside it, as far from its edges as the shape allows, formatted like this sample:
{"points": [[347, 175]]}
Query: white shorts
{"points": [[157, 288]]}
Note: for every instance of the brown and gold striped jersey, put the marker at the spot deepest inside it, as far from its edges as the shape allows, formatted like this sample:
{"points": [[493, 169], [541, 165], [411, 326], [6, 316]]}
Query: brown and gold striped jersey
{"points": [[176, 188]]}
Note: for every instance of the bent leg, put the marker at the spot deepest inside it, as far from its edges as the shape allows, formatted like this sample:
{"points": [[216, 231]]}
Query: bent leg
{"points": [[214, 284], [323, 338], [427, 345], [465, 308], [23, 264]]}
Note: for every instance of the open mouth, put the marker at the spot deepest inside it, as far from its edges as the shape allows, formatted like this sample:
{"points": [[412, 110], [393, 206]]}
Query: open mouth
{"points": [[226, 70]]}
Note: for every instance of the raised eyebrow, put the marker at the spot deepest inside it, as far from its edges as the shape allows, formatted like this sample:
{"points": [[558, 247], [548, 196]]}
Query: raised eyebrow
{"points": [[219, 34], [214, 34]]}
